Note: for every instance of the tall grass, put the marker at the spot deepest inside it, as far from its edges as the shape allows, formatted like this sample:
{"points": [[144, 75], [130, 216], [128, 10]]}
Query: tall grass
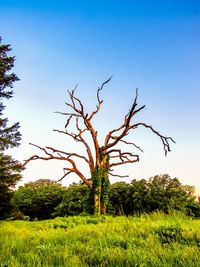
{"points": [[149, 240]]}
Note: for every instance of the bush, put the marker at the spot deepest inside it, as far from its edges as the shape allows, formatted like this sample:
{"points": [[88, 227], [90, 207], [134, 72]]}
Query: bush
{"points": [[38, 199], [169, 234], [76, 200], [193, 209]]}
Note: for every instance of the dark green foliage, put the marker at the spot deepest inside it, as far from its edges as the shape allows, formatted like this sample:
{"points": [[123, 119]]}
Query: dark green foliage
{"points": [[5, 205], [160, 193], [9, 175], [118, 198], [165, 193], [46, 199], [9, 134], [38, 199], [6, 64], [18, 215], [170, 234], [136, 199], [193, 209], [76, 200]]}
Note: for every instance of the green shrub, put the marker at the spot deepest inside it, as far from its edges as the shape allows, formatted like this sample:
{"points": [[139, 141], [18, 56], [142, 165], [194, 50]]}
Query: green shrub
{"points": [[38, 199], [169, 234], [76, 200]]}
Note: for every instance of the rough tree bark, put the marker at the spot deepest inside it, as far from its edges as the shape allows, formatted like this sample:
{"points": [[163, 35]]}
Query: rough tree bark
{"points": [[100, 159]]}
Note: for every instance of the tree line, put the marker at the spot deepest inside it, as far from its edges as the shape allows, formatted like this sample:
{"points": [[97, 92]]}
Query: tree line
{"points": [[46, 199]]}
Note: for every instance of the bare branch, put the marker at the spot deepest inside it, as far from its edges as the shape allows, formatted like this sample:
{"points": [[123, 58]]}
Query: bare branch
{"points": [[65, 174], [124, 157], [107, 81], [98, 99], [68, 121], [74, 136], [89, 152], [74, 170], [80, 113], [117, 175], [50, 156], [43, 149], [73, 99], [164, 139], [124, 162], [79, 138], [125, 127], [128, 143], [81, 131], [34, 157], [67, 113], [59, 152]]}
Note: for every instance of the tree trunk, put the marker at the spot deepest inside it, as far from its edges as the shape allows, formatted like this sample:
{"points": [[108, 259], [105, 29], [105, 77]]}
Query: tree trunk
{"points": [[105, 186], [101, 185]]}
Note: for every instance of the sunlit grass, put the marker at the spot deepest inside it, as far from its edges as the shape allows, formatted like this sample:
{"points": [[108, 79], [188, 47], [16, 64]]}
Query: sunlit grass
{"points": [[149, 240]]}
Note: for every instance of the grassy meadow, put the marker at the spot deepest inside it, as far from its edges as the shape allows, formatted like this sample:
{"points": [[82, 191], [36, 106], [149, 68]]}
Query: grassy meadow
{"points": [[149, 240]]}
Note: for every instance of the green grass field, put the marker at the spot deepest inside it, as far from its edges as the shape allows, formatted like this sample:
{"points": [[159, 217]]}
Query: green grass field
{"points": [[149, 240]]}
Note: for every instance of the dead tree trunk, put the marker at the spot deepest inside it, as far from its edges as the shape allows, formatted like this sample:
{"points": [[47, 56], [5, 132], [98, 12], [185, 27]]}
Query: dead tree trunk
{"points": [[100, 160], [101, 184]]}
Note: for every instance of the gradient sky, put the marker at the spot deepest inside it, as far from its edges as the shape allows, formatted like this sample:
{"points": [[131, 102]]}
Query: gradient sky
{"points": [[152, 45]]}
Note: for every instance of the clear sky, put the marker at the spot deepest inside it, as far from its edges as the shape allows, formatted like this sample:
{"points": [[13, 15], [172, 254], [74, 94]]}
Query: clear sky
{"points": [[152, 45]]}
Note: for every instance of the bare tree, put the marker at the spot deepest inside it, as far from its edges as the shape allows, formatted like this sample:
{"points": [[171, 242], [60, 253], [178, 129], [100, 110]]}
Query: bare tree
{"points": [[106, 156]]}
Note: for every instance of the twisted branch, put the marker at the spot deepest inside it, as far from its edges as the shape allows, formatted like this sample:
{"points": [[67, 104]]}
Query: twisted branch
{"points": [[127, 126], [117, 175], [124, 157], [59, 156], [98, 99]]}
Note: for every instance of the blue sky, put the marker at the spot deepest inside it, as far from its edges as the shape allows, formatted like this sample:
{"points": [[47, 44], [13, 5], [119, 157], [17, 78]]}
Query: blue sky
{"points": [[152, 45]]}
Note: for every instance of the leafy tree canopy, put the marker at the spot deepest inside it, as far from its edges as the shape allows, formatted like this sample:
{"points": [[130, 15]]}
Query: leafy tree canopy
{"points": [[38, 199], [76, 200]]}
